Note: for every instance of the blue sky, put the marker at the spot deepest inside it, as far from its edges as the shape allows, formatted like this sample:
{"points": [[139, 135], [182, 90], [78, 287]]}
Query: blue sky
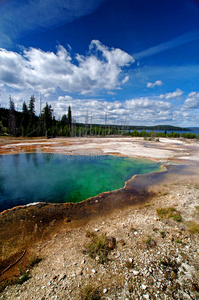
{"points": [[135, 60]]}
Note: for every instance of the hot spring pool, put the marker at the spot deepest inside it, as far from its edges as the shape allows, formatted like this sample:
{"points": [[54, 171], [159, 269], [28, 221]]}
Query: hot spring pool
{"points": [[55, 178]]}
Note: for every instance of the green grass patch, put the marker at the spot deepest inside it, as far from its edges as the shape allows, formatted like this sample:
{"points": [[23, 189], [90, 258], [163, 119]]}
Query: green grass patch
{"points": [[170, 212], [150, 242], [99, 246], [90, 292], [163, 234], [23, 278], [178, 241], [149, 204], [193, 227], [34, 260]]}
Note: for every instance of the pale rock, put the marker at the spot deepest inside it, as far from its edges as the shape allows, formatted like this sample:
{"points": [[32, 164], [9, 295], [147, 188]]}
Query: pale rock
{"points": [[136, 272], [143, 286], [79, 271], [62, 276]]}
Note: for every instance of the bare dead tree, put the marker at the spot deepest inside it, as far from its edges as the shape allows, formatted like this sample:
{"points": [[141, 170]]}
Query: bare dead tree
{"points": [[12, 119]]}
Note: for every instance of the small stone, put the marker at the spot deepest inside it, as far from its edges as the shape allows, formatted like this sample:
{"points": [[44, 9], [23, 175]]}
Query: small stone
{"points": [[111, 242], [93, 271], [146, 296], [136, 272], [144, 287], [135, 233], [122, 242], [79, 271], [62, 276], [105, 291], [67, 220], [182, 227], [166, 275], [173, 275]]}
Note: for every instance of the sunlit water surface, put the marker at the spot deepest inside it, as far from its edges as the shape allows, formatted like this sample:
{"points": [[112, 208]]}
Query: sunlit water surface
{"points": [[43, 177]]}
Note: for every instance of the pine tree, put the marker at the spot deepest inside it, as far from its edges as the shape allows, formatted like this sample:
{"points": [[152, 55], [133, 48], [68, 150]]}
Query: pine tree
{"points": [[31, 106], [47, 116], [69, 117], [31, 111], [25, 119]]}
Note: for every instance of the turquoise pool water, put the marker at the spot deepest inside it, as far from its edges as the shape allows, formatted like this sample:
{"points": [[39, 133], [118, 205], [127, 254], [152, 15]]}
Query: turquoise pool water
{"points": [[42, 177]]}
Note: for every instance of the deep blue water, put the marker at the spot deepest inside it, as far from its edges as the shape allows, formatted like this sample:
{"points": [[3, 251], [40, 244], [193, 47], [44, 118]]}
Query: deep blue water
{"points": [[192, 131]]}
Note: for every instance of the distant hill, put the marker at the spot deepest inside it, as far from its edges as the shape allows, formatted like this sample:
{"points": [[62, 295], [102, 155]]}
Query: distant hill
{"points": [[159, 127]]}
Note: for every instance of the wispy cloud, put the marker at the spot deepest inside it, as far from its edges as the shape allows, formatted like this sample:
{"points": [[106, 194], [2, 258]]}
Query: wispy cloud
{"points": [[20, 17], [152, 85], [176, 42]]}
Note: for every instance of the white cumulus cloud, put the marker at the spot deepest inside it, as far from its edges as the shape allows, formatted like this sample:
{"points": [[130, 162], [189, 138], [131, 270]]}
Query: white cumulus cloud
{"points": [[192, 101], [134, 111], [44, 71], [172, 95]]}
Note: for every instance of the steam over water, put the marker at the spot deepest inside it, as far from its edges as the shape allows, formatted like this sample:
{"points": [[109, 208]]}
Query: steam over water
{"points": [[42, 177]]}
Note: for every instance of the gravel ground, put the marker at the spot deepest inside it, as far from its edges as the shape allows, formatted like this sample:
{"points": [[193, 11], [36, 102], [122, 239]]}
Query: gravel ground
{"points": [[153, 258]]}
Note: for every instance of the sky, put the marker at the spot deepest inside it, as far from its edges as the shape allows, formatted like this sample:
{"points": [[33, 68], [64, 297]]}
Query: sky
{"points": [[134, 62]]}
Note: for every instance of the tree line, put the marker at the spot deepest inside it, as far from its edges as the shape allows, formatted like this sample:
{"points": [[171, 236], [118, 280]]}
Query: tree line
{"points": [[156, 134], [27, 124]]}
